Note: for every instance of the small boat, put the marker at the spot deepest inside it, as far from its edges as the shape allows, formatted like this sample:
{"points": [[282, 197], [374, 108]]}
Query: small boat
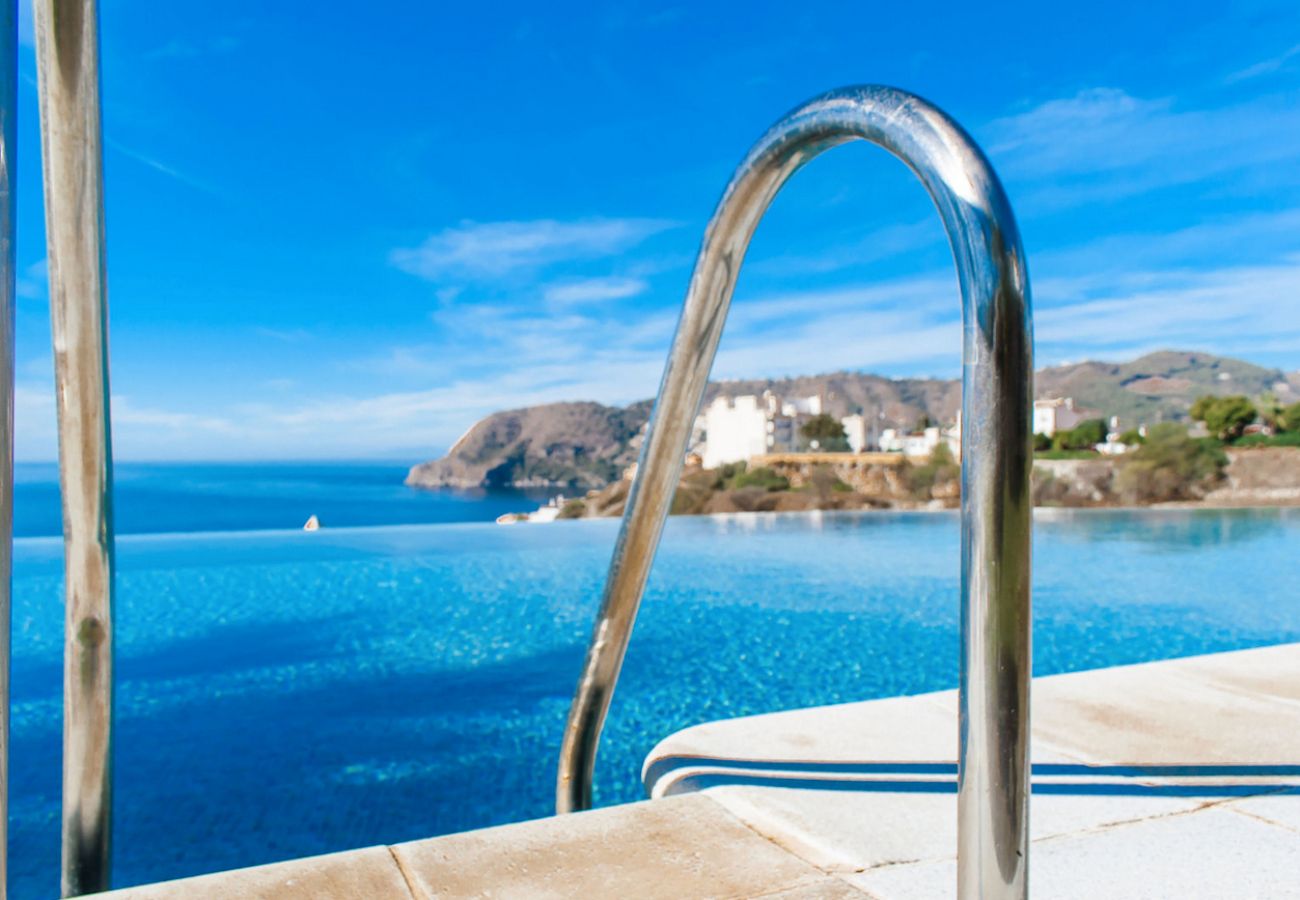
{"points": [[312, 524]]}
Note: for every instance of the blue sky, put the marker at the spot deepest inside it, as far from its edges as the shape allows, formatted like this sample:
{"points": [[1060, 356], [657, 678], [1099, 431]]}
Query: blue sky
{"points": [[336, 233]]}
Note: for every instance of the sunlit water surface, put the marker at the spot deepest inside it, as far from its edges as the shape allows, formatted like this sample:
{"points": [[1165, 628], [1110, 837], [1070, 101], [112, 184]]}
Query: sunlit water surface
{"points": [[282, 694]]}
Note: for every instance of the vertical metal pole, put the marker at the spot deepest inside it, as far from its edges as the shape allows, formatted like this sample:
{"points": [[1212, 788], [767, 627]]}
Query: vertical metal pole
{"points": [[67, 46], [8, 144]]}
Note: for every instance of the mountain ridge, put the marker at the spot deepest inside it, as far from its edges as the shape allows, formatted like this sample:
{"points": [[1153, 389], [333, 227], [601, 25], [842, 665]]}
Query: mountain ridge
{"points": [[585, 444]]}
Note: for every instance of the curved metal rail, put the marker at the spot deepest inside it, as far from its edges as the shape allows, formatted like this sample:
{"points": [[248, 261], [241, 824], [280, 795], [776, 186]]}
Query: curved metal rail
{"points": [[997, 355]]}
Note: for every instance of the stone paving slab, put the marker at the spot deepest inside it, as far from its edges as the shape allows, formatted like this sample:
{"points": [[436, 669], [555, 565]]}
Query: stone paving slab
{"points": [[1281, 810], [1101, 732], [1102, 825], [844, 831], [1213, 853], [681, 847], [1172, 712], [371, 872]]}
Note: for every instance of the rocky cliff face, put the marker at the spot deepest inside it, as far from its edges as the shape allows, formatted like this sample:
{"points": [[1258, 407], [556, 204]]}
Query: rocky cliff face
{"points": [[580, 445]]}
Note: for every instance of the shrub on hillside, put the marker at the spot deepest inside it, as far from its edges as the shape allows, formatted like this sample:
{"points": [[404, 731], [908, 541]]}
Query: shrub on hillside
{"points": [[573, 509], [1289, 417], [940, 468], [762, 477], [1169, 466], [1281, 439], [695, 489]]}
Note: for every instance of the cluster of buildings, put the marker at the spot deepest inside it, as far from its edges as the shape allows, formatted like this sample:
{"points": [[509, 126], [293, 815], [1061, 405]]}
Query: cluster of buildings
{"points": [[737, 429]]}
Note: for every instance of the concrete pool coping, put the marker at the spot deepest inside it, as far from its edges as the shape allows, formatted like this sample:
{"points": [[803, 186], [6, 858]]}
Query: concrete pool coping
{"points": [[1174, 778]]}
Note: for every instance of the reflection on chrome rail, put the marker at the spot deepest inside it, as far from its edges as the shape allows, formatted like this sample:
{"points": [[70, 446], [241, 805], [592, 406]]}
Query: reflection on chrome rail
{"points": [[993, 780]]}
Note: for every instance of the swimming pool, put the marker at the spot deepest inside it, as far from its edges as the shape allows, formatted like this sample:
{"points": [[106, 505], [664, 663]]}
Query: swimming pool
{"points": [[283, 694]]}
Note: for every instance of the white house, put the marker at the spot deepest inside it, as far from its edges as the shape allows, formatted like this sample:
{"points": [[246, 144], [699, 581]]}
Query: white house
{"points": [[1051, 416], [921, 444], [855, 428], [735, 430], [805, 406]]}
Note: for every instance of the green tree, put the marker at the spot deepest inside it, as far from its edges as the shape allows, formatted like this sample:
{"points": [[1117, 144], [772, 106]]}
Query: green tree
{"points": [[1042, 442], [1082, 437], [1225, 417], [1270, 410], [827, 431], [1289, 417], [1132, 437]]}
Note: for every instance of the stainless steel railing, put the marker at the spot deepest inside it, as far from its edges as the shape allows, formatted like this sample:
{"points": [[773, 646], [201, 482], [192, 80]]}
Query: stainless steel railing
{"points": [[8, 144], [67, 49], [997, 353]]}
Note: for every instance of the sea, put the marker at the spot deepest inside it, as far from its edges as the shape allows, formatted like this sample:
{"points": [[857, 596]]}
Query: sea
{"points": [[164, 498], [406, 670]]}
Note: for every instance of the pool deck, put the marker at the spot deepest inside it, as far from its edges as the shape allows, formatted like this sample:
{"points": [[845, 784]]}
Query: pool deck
{"points": [[1170, 779]]}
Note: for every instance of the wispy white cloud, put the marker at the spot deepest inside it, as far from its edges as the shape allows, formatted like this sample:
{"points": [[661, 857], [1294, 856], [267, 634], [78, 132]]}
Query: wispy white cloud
{"points": [[485, 358], [1266, 66], [34, 282], [487, 250], [593, 290], [1228, 241], [36, 433], [284, 335], [1105, 143], [162, 167], [883, 243], [177, 49], [1238, 310], [139, 420]]}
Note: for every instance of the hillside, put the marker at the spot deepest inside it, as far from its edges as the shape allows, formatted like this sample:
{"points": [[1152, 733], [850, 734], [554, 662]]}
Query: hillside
{"points": [[1161, 386], [569, 444], [584, 445]]}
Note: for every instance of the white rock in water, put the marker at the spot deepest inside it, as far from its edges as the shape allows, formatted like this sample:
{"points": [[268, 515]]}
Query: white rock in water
{"points": [[313, 524]]}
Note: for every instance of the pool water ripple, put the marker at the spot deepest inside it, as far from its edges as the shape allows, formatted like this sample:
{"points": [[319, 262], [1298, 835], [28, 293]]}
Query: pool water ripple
{"points": [[283, 694]]}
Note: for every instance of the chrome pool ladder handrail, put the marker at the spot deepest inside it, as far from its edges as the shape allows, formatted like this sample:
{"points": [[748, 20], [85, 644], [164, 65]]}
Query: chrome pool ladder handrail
{"points": [[67, 54], [8, 173], [997, 372]]}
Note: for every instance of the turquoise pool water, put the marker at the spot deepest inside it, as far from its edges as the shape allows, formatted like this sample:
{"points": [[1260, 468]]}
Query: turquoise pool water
{"points": [[283, 694]]}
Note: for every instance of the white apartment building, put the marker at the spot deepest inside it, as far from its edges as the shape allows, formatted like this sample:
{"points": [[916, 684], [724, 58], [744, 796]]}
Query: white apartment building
{"points": [[735, 430], [1051, 416], [805, 406], [855, 428]]}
